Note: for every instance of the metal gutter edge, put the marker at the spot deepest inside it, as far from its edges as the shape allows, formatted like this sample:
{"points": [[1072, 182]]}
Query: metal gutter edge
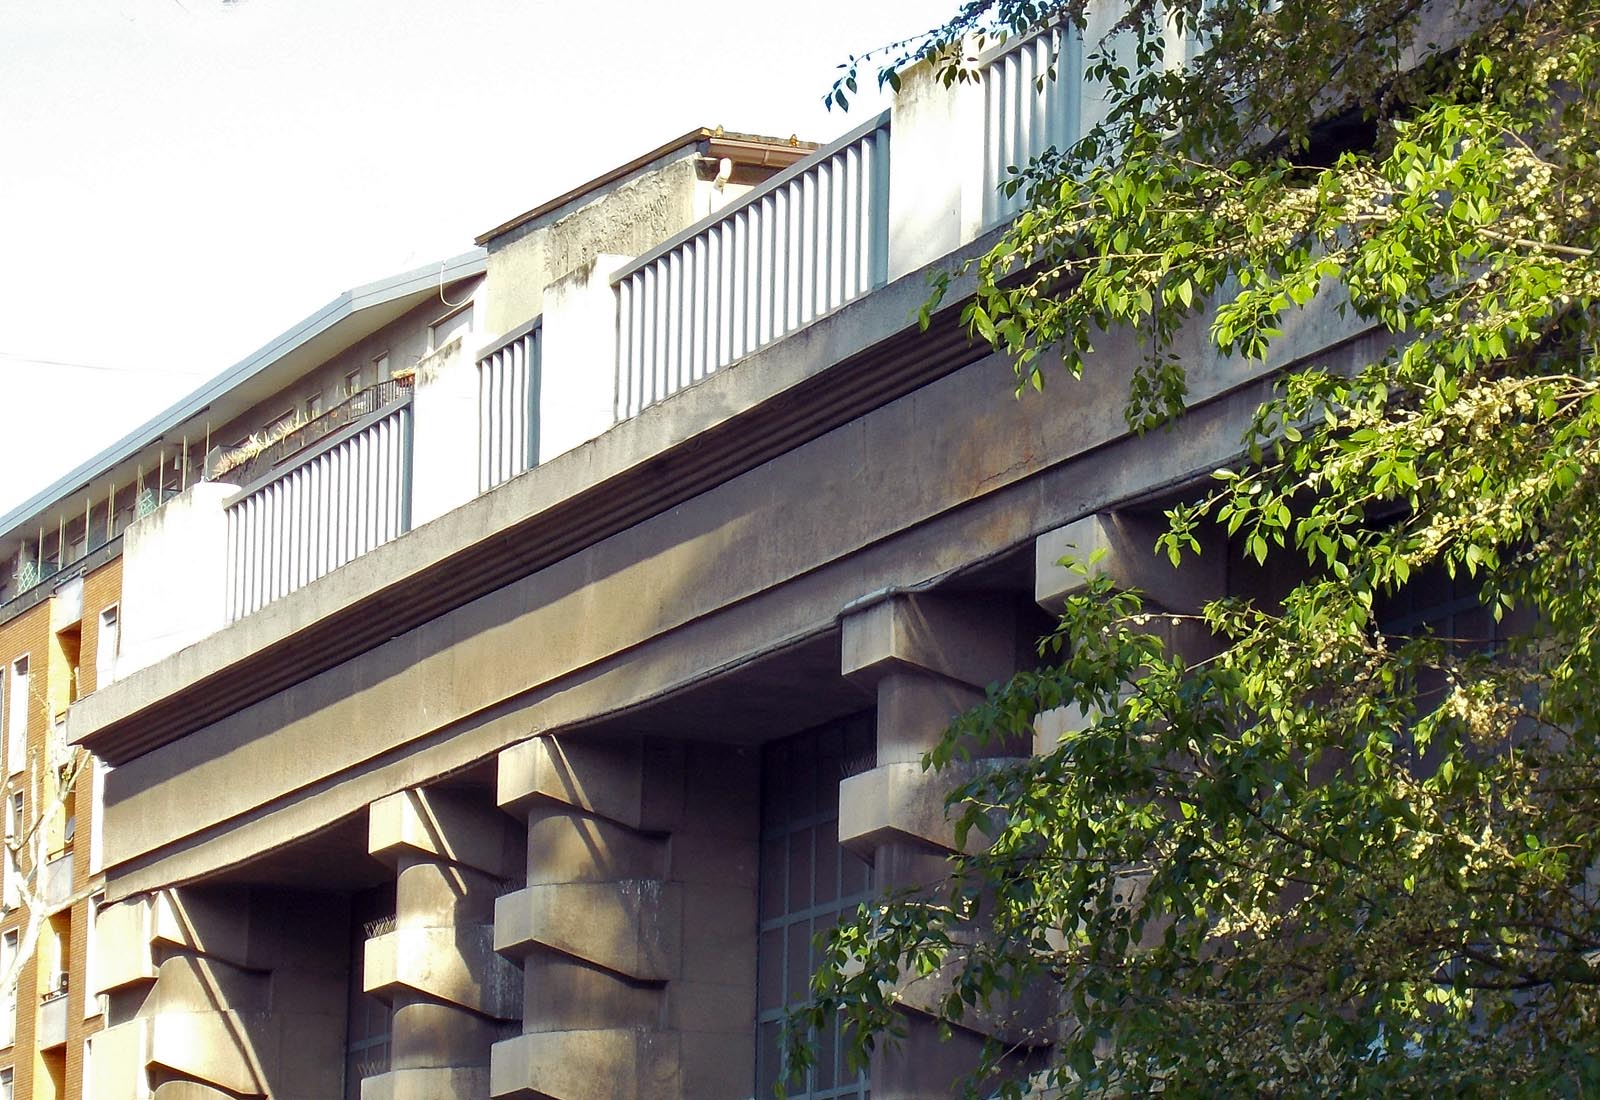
{"points": [[352, 301]]}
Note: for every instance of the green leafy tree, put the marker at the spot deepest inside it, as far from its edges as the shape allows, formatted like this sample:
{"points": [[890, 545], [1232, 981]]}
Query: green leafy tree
{"points": [[1326, 859]]}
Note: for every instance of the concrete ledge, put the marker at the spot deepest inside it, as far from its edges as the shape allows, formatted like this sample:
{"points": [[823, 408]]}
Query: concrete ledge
{"points": [[123, 957], [1023, 1021], [458, 965], [120, 1054], [962, 639], [211, 1047], [444, 826], [427, 1084], [901, 801], [186, 984], [606, 780], [1123, 548], [189, 1090], [633, 928], [52, 1028], [620, 1064]]}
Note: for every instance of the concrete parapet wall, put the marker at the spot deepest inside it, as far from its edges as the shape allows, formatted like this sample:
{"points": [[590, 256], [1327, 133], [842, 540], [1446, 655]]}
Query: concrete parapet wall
{"points": [[174, 572]]}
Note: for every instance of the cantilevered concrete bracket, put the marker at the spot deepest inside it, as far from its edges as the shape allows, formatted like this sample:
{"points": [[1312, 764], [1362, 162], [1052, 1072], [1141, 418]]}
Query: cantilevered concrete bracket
{"points": [[247, 999], [450, 992], [929, 657], [636, 930], [1122, 547]]}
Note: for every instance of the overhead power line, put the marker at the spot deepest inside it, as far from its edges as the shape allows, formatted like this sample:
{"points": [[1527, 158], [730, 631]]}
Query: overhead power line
{"points": [[30, 360]]}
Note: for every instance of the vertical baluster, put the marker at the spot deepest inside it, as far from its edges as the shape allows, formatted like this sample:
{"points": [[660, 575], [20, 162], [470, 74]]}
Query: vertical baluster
{"points": [[625, 336]]}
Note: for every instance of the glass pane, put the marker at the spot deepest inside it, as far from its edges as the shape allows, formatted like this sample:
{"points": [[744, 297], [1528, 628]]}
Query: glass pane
{"points": [[770, 970], [774, 871], [799, 976], [800, 871]]}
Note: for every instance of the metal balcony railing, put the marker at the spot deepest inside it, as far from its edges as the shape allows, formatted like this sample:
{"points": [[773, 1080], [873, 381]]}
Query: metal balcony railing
{"points": [[1026, 111], [254, 461], [806, 241], [508, 406], [342, 498]]}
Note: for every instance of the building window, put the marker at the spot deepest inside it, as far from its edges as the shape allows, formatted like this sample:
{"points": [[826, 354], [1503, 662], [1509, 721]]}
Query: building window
{"points": [[1449, 609], [11, 892], [313, 406], [17, 718], [7, 1084], [91, 1002], [807, 880], [108, 644], [370, 1022], [8, 1000], [447, 328], [352, 381], [97, 800]]}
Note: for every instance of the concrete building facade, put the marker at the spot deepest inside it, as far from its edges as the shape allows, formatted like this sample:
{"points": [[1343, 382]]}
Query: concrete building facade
{"points": [[516, 737]]}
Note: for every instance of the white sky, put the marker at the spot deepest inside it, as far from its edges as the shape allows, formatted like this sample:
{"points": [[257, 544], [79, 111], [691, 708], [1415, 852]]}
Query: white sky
{"points": [[181, 180]]}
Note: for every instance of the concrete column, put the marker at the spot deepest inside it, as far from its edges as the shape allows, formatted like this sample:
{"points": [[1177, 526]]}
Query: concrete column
{"points": [[222, 992], [936, 172], [929, 658], [452, 995], [578, 360], [636, 931], [1122, 548]]}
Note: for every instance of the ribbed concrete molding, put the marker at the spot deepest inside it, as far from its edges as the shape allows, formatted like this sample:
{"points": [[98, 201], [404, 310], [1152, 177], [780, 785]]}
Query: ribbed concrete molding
{"points": [[457, 965], [633, 927], [613, 1064], [444, 825], [446, 1083]]}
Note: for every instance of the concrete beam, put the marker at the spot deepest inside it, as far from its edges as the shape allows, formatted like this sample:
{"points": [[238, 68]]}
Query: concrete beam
{"points": [[608, 1064], [901, 801], [458, 965], [633, 927], [1122, 547], [972, 641], [602, 778], [445, 825], [427, 1083]]}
